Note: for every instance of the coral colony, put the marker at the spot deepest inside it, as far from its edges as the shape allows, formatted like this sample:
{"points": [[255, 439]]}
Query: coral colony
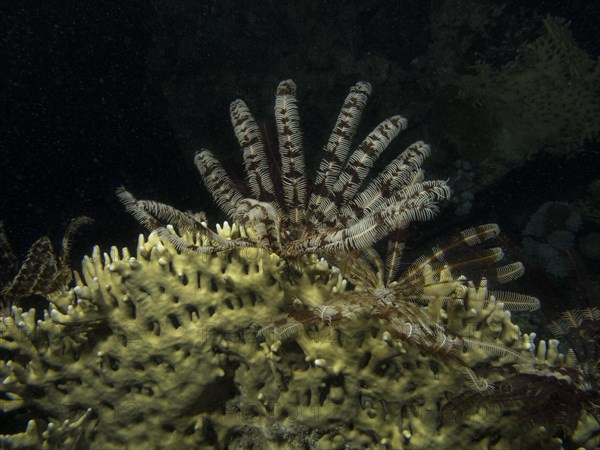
{"points": [[288, 327]]}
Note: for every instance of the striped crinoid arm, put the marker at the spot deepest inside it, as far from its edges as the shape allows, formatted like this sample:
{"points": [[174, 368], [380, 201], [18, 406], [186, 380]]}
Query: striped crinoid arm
{"points": [[481, 263], [409, 196], [363, 269], [404, 170], [412, 324], [218, 183], [337, 150], [359, 165], [138, 212], [513, 301], [457, 253], [406, 316], [393, 260], [461, 258], [41, 273], [420, 206], [156, 216], [293, 173], [264, 220], [74, 225], [306, 317], [256, 164]]}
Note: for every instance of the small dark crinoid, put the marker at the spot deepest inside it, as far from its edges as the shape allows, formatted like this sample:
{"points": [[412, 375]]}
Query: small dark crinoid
{"points": [[41, 272], [541, 395]]}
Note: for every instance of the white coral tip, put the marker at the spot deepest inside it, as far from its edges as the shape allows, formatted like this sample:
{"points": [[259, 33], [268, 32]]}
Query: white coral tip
{"points": [[320, 363]]}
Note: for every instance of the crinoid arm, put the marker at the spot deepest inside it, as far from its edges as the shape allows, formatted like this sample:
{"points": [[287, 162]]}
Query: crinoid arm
{"points": [[255, 158], [464, 256], [73, 227], [156, 216], [336, 151]]}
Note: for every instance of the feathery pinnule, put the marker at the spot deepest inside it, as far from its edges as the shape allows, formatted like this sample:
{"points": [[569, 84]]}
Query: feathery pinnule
{"points": [[404, 170], [159, 217], [293, 172], [226, 195], [337, 150], [255, 158]]}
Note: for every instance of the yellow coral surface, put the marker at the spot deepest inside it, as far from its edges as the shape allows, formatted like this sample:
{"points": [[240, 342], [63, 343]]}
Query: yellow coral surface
{"points": [[166, 349]]}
